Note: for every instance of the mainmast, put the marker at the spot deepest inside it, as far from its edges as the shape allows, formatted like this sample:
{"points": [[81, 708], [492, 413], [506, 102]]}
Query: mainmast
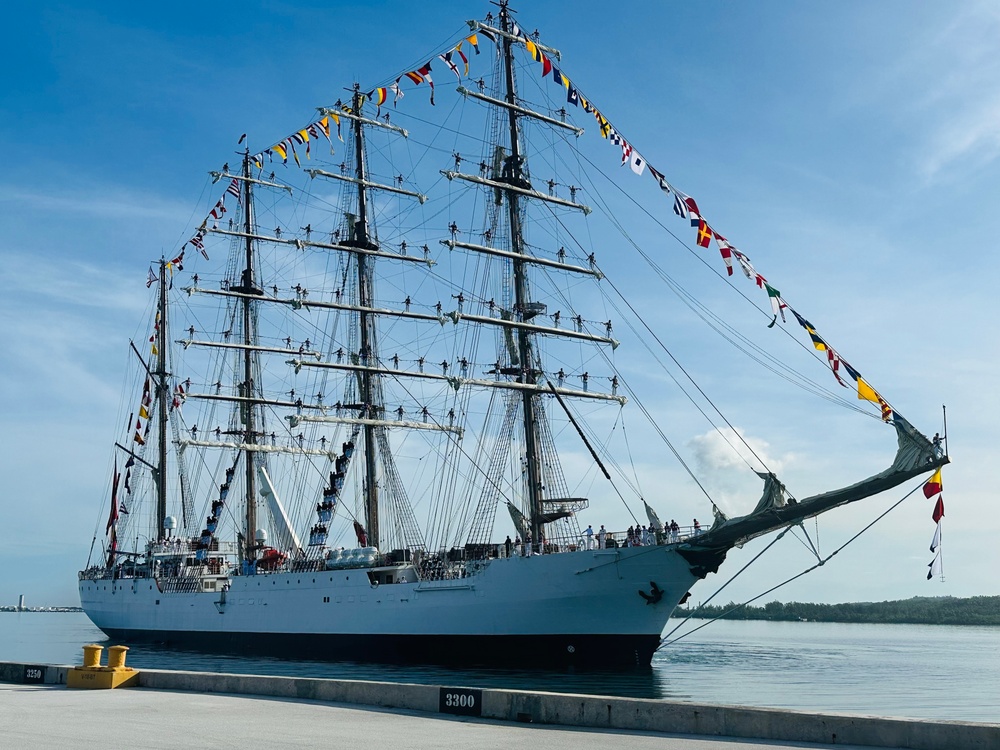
{"points": [[248, 289], [162, 398], [369, 409], [513, 175]]}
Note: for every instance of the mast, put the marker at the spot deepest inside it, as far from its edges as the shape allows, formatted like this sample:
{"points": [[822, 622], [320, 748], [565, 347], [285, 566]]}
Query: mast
{"points": [[513, 175], [162, 405], [248, 289], [370, 410]]}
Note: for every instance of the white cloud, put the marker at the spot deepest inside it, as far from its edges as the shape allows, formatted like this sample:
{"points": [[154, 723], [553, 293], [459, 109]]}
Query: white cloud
{"points": [[91, 200], [723, 461]]}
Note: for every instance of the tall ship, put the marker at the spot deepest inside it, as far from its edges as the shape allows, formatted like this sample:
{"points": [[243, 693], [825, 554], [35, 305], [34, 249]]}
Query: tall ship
{"points": [[383, 386]]}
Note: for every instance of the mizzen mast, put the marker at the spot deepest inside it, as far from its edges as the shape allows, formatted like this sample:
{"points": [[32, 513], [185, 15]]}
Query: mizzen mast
{"points": [[162, 403]]}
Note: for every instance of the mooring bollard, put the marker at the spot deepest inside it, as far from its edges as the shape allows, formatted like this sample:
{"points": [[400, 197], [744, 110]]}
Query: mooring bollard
{"points": [[93, 675], [116, 656], [92, 656]]}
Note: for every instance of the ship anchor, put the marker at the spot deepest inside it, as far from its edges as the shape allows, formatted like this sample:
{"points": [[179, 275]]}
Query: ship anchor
{"points": [[654, 595]]}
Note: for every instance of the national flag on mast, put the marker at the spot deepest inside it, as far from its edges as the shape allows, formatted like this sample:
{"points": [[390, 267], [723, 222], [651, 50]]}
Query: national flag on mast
{"points": [[113, 546], [933, 486], [113, 517], [152, 278]]}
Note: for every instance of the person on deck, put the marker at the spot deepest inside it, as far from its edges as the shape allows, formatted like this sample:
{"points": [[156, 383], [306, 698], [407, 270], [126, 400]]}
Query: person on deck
{"points": [[602, 537], [590, 536]]}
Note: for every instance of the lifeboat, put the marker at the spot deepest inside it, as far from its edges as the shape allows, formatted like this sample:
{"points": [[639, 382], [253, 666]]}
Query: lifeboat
{"points": [[270, 559]]}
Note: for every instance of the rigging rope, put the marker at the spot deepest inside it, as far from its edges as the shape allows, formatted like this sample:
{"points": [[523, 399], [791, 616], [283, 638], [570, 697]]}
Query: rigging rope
{"points": [[821, 563]]}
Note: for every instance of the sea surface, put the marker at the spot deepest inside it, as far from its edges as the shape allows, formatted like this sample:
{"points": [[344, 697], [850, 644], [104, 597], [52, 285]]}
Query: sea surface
{"points": [[921, 671]]}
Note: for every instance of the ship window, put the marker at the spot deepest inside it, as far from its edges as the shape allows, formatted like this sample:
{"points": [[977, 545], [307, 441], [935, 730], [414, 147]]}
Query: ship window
{"points": [[157, 601]]}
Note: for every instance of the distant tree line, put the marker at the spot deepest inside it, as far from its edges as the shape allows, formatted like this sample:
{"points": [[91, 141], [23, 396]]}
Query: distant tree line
{"points": [[940, 610]]}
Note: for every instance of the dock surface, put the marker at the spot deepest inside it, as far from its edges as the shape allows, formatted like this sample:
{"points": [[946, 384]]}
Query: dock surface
{"points": [[172, 708], [51, 716]]}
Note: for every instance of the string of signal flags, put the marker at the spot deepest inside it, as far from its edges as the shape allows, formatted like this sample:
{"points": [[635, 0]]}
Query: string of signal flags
{"points": [[685, 206]]}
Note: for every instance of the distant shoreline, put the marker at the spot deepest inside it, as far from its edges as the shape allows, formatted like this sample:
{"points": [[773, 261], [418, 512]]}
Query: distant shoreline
{"points": [[920, 610], [941, 610]]}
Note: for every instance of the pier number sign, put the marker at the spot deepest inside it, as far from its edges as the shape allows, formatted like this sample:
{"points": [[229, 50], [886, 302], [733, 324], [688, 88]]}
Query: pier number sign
{"points": [[461, 701], [33, 675]]}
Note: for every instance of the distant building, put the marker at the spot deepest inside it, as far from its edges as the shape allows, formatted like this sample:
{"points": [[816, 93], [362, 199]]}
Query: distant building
{"points": [[20, 603]]}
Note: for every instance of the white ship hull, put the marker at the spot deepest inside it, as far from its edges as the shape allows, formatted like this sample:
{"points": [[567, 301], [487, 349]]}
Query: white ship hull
{"points": [[575, 608]]}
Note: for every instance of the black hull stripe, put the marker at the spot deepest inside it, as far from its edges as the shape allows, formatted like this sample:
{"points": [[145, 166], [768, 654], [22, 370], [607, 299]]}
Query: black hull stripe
{"points": [[591, 652]]}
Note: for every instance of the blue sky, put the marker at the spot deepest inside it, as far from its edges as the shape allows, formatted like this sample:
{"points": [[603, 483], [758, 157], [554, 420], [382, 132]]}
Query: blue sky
{"points": [[851, 149]]}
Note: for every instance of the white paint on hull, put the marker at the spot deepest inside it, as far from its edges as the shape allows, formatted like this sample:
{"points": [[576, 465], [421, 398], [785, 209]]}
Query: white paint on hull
{"points": [[584, 592]]}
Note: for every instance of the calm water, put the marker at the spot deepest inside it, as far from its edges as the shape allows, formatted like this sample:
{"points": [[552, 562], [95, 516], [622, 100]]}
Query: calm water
{"points": [[922, 671]]}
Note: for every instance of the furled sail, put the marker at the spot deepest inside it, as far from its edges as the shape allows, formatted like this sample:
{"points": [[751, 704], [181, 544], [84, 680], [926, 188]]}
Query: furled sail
{"points": [[915, 455]]}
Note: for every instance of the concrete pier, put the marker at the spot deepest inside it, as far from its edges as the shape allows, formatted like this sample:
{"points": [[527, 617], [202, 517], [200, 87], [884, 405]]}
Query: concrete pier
{"points": [[436, 716]]}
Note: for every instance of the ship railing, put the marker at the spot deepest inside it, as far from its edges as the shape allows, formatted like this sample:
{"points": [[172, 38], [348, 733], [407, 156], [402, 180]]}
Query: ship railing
{"points": [[95, 573], [185, 585], [584, 542]]}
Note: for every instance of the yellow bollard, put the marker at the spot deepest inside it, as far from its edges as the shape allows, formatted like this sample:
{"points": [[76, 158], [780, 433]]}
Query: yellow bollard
{"points": [[92, 656], [93, 675], [116, 656]]}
